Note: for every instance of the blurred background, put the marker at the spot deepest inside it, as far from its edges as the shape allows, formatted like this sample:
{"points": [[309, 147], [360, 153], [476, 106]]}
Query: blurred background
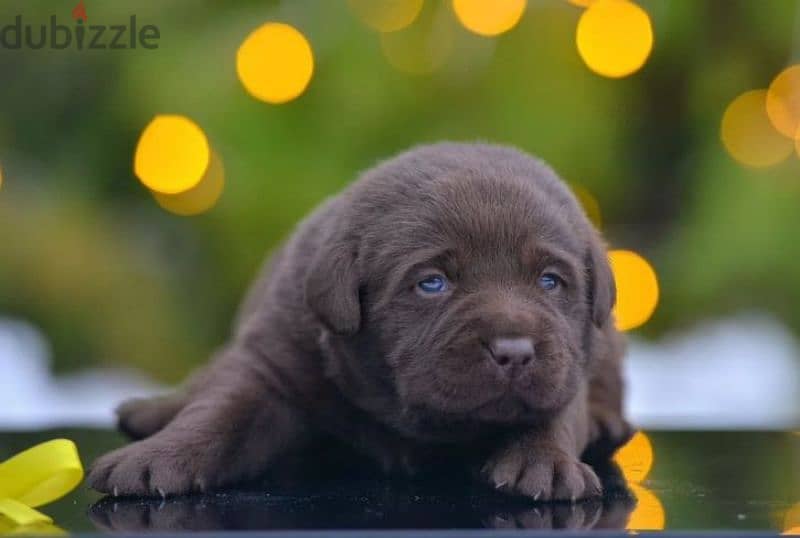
{"points": [[140, 189]]}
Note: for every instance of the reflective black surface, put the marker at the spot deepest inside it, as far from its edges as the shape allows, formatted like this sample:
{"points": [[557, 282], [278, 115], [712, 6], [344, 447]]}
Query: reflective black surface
{"points": [[698, 481]]}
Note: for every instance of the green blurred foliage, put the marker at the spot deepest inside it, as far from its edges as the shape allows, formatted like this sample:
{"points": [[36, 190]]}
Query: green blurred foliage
{"points": [[86, 254]]}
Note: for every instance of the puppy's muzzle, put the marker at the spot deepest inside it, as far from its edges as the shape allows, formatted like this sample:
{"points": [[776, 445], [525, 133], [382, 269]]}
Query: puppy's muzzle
{"points": [[511, 354]]}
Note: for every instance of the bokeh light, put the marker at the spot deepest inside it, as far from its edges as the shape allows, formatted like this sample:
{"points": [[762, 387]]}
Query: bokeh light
{"points": [[749, 136], [637, 289], [614, 37], [783, 101], [589, 203], [635, 458], [386, 15], [275, 63], [649, 514], [423, 47], [172, 154], [791, 521], [489, 17], [200, 198]]}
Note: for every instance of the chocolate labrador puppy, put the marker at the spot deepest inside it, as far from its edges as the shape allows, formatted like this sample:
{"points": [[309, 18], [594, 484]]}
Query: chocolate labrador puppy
{"points": [[454, 300]]}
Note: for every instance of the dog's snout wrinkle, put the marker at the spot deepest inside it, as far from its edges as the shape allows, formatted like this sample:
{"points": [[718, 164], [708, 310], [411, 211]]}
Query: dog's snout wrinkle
{"points": [[511, 353]]}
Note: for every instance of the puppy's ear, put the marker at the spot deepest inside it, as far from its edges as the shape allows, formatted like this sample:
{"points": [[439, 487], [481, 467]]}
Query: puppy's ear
{"points": [[331, 287], [602, 289]]}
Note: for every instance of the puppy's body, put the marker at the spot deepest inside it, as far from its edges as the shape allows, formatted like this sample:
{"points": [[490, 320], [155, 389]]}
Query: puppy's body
{"points": [[340, 336]]}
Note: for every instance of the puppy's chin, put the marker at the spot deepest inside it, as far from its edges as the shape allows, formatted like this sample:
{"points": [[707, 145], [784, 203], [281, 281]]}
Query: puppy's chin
{"points": [[480, 394]]}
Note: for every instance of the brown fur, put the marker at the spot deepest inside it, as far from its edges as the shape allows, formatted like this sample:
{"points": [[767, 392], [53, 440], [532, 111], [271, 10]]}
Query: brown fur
{"points": [[334, 339]]}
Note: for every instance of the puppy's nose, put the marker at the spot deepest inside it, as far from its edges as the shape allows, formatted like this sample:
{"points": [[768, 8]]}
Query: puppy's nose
{"points": [[508, 352]]}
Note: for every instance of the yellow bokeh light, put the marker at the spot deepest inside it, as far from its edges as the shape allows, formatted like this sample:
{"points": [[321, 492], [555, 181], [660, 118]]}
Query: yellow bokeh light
{"points": [[637, 289], [649, 514], [589, 203], [386, 15], [749, 136], [200, 198], [172, 154], [783, 101], [791, 521], [489, 17], [275, 63], [797, 145], [635, 459], [614, 37], [423, 47]]}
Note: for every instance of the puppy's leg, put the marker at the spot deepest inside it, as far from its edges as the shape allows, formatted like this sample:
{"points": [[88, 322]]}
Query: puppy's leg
{"points": [[544, 463], [226, 434], [142, 417], [608, 429]]}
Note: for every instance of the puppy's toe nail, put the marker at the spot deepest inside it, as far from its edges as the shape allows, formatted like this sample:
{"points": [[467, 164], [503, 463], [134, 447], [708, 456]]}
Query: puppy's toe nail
{"points": [[572, 499], [537, 495], [500, 484], [115, 491], [162, 493]]}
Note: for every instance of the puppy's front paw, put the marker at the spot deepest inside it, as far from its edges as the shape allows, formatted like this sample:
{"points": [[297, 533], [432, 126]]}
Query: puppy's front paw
{"points": [[542, 474], [151, 467]]}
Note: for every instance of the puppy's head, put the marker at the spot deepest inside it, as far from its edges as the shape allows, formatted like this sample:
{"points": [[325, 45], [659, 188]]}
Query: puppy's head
{"points": [[467, 278]]}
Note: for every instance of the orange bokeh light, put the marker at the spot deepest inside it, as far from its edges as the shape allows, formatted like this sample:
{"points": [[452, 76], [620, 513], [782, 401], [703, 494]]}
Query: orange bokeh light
{"points": [[172, 154], [200, 198], [275, 63], [649, 514], [748, 134], [386, 15], [423, 47], [614, 37], [791, 521], [489, 17], [783, 101], [637, 289], [635, 458]]}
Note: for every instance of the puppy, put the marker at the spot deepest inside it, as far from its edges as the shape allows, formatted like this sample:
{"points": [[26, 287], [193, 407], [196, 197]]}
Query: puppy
{"points": [[454, 300]]}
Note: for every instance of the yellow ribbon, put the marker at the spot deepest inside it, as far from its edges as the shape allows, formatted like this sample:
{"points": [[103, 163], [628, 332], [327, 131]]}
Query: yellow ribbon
{"points": [[37, 476]]}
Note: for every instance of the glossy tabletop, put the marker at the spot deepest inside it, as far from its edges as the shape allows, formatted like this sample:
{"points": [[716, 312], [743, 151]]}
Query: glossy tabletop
{"points": [[710, 481]]}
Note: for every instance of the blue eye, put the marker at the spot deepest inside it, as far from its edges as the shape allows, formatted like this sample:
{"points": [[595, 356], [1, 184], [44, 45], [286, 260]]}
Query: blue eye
{"points": [[432, 284], [549, 281]]}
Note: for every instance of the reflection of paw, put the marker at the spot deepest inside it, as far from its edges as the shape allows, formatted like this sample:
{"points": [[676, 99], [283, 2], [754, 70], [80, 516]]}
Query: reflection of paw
{"points": [[609, 431], [154, 466], [580, 516], [135, 516], [542, 474]]}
